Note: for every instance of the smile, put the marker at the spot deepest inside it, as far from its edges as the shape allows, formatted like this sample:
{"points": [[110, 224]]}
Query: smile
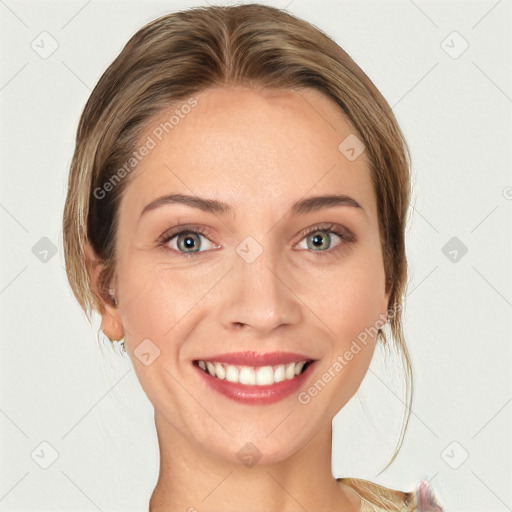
{"points": [[255, 379], [253, 375]]}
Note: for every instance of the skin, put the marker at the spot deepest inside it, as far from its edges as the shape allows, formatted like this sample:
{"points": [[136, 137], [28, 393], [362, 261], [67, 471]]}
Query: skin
{"points": [[259, 151]]}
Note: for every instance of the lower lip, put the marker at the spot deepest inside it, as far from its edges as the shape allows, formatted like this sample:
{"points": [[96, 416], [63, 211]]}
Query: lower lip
{"points": [[256, 395]]}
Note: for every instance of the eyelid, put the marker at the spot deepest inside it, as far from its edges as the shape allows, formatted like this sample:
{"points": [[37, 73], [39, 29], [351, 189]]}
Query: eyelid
{"points": [[330, 227], [180, 228]]}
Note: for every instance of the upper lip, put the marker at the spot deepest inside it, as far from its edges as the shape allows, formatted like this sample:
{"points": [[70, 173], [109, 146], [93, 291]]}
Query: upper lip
{"points": [[257, 359]]}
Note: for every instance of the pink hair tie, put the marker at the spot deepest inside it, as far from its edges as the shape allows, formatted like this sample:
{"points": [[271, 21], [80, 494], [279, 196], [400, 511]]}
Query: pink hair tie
{"points": [[425, 499]]}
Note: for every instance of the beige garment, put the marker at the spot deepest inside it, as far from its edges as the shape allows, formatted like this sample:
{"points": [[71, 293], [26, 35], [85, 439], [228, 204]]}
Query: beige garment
{"points": [[377, 498]]}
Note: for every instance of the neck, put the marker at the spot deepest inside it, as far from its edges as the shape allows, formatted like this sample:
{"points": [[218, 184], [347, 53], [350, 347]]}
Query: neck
{"points": [[194, 479]]}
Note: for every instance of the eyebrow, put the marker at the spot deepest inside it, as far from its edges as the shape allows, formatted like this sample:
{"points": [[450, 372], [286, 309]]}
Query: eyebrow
{"points": [[303, 206]]}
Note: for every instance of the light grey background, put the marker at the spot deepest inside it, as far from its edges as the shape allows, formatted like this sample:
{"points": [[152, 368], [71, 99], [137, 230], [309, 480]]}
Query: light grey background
{"points": [[56, 386]]}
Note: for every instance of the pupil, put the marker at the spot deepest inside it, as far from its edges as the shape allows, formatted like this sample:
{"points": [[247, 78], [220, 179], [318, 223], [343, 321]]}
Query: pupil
{"points": [[317, 241], [188, 242]]}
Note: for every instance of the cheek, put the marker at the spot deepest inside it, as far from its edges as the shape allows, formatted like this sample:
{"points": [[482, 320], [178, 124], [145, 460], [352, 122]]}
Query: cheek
{"points": [[351, 297], [354, 305], [155, 303], [156, 297], [350, 309]]}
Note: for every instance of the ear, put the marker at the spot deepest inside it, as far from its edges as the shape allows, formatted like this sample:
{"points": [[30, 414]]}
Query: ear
{"points": [[110, 319]]}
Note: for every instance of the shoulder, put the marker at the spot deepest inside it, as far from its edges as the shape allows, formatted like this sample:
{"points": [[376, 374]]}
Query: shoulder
{"points": [[377, 498]]}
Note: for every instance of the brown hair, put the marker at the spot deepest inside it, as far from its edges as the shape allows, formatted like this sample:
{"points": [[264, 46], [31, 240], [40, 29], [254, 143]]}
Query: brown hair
{"points": [[183, 53]]}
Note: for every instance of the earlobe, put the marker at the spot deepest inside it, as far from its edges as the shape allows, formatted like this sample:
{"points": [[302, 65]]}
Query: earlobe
{"points": [[111, 325], [106, 302]]}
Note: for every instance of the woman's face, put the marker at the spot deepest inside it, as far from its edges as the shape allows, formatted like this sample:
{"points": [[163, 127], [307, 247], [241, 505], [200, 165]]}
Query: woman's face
{"points": [[257, 275]]}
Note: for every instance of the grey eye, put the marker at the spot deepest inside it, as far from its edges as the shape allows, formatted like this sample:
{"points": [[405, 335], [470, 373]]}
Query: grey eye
{"points": [[189, 242], [320, 240]]}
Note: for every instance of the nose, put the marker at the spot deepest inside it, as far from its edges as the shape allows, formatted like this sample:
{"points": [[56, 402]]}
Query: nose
{"points": [[259, 295]]}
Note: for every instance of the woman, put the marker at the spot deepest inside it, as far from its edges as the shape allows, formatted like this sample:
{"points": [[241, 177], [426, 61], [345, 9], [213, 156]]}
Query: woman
{"points": [[236, 213]]}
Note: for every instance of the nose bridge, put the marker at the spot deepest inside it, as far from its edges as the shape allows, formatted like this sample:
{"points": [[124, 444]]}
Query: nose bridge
{"points": [[257, 294]]}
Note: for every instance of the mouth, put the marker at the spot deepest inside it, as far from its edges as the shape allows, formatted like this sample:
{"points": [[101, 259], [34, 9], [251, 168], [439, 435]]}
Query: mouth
{"points": [[253, 375], [255, 379]]}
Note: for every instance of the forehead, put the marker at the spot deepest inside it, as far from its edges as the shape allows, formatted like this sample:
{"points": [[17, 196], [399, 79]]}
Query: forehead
{"points": [[249, 148]]}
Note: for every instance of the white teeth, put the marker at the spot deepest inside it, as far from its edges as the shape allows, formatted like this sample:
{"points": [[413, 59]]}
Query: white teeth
{"points": [[279, 375], [247, 376], [265, 376], [290, 371], [232, 374], [299, 366], [219, 371], [211, 368], [250, 376]]}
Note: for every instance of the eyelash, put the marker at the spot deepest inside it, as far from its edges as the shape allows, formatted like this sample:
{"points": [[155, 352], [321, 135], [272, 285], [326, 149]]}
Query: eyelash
{"points": [[344, 234]]}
